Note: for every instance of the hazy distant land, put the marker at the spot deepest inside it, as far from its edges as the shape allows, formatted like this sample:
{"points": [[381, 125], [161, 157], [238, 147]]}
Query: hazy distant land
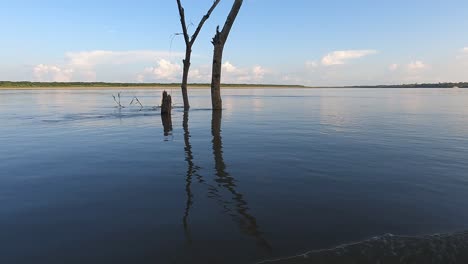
{"points": [[108, 85], [418, 85]]}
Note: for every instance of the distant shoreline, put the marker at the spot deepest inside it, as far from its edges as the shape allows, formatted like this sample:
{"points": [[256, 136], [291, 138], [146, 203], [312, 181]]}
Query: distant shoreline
{"points": [[115, 86], [38, 88], [147, 87], [6, 85]]}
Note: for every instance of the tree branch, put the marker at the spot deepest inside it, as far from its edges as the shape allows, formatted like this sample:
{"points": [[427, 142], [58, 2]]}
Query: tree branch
{"points": [[183, 23], [202, 21], [216, 37], [230, 20]]}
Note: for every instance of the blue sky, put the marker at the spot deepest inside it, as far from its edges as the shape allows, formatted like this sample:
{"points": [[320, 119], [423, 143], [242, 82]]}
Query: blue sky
{"points": [[299, 41]]}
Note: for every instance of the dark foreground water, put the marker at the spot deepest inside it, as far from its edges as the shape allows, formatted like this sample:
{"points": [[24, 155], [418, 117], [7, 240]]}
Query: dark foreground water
{"points": [[278, 173]]}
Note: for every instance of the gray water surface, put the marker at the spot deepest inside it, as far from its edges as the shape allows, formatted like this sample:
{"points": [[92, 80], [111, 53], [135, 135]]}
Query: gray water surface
{"points": [[278, 173]]}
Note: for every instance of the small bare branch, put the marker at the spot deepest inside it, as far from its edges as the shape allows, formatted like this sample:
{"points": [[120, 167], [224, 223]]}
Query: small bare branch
{"points": [[202, 21], [138, 101], [230, 20], [119, 105], [183, 23]]}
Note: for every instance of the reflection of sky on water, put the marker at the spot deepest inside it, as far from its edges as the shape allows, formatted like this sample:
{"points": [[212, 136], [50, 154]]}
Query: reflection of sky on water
{"points": [[337, 107], [301, 169], [416, 107]]}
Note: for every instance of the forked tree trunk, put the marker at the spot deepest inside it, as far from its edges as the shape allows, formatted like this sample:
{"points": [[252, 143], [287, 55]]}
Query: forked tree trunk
{"points": [[189, 41], [219, 41]]}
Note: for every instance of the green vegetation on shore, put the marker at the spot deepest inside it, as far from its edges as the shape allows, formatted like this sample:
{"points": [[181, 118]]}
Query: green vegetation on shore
{"points": [[7, 84], [32, 85], [417, 85]]}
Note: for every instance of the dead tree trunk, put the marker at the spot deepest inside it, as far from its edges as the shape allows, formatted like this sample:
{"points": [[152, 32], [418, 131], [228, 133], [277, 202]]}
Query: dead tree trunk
{"points": [[189, 41], [216, 100], [167, 124], [166, 104], [166, 111], [218, 42], [186, 61]]}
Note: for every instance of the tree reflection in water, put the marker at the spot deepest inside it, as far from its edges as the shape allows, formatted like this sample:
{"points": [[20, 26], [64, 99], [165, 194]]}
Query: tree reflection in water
{"points": [[167, 124], [191, 170], [239, 211]]}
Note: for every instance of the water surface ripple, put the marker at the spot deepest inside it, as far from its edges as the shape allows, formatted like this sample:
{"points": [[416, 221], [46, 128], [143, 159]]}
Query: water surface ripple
{"points": [[278, 172]]}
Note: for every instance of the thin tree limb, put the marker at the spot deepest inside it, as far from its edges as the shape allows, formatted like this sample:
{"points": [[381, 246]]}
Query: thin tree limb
{"points": [[230, 21], [202, 21], [183, 23]]}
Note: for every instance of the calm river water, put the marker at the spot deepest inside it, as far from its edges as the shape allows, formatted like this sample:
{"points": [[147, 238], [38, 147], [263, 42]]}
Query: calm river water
{"points": [[278, 173]]}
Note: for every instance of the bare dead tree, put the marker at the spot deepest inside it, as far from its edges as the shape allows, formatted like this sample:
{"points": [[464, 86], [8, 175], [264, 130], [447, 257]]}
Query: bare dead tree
{"points": [[218, 42], [189, 41]]}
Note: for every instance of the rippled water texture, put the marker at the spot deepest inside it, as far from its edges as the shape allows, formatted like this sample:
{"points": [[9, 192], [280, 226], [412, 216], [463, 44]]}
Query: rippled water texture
{"points": [[278, 173]]}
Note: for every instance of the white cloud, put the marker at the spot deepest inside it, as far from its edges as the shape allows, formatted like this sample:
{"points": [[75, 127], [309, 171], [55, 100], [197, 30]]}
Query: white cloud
{"points": [[233, 74], [200, 74], [463, 54], [52, 73], [91, 59], [393, 67], [292, 79], [416, 66], [342, 56], [83, 65], [229, 68], [165, 71], [310, 65], [259, 72]]}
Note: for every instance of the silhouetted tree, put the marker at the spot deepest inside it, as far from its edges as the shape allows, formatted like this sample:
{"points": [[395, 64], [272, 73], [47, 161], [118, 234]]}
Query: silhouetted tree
{"points": [[218, 42], [189, 41]]}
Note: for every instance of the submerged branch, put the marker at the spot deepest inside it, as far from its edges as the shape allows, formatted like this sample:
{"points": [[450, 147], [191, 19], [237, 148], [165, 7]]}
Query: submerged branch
{"points": [[135, 99], [119, 105]]}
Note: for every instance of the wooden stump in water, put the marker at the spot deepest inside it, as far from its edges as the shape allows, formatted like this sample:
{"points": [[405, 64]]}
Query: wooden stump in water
{"points": [[167, 124], [166, 110], [166, 104]]}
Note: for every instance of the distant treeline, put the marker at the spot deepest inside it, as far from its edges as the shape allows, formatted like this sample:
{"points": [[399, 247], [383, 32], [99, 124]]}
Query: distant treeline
{"points": [[8, 84], [417, 85]]}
